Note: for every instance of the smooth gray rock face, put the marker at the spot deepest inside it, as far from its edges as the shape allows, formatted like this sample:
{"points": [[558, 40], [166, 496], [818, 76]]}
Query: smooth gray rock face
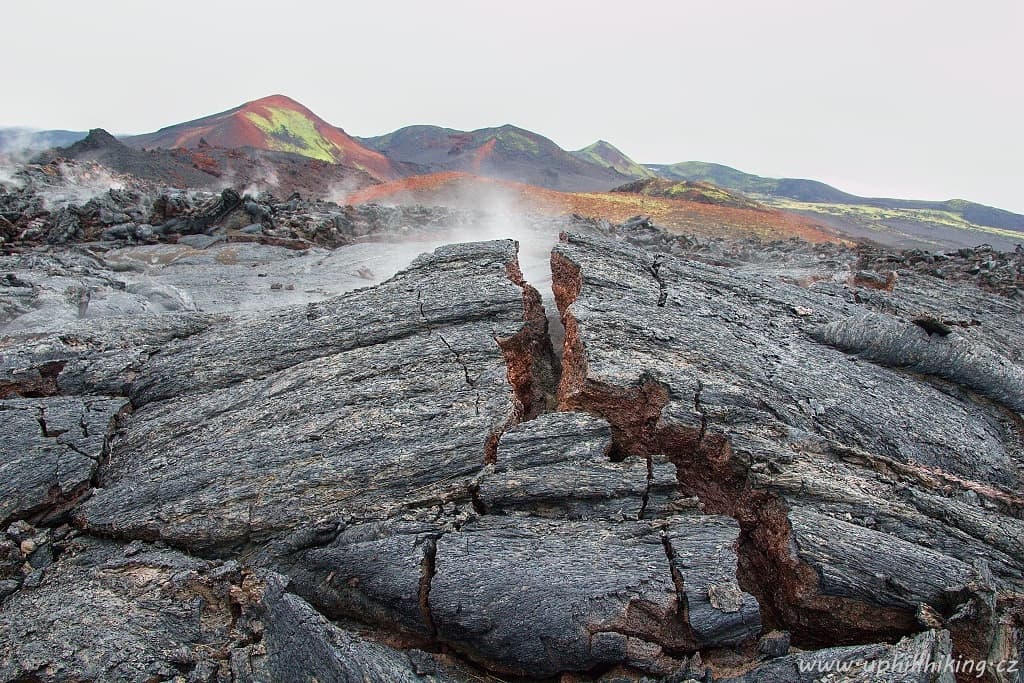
{"points": [[893, 342], [377, 572], [540, 596], [703, 555], [846, 556], [298, 644], [864, 491]]}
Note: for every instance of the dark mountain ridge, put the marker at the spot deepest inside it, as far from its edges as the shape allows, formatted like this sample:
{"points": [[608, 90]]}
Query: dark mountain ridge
{"points": [[506, 153]]}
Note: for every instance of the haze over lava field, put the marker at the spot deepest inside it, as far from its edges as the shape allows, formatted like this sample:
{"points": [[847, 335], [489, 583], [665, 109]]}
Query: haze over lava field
{"points": [[468, 191]]}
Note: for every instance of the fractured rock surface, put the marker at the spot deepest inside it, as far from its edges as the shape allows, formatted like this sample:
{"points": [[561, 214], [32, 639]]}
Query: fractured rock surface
{"points": [[576, 568], [51, 448], [378, 398], [398, 484], [108, 612], [867, 489], [543, 596]]}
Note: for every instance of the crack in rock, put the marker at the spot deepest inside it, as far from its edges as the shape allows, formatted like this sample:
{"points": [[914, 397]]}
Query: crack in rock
{"points": [[726, 446]]}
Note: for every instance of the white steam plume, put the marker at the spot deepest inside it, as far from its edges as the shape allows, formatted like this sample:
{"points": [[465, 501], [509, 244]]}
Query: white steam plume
{"points": [[78, 184]]}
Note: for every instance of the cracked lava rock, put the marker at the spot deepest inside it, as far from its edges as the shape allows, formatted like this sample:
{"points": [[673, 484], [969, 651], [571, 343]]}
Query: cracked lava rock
{"points": [[725, 474]]}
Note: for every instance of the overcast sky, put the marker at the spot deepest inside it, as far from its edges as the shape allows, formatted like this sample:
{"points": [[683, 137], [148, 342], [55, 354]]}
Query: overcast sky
{"points": [[912, 98]]}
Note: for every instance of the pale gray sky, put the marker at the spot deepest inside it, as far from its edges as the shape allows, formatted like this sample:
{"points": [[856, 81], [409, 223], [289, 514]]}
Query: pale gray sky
{"points": [[911, 98]]}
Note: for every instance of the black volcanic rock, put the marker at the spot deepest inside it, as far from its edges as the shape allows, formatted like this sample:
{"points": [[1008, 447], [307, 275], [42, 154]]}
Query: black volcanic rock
{"points": [[53, 445], [140, 612], [907, 662], [865, 493], [398, 483], [582, 562], [437, 329], [101, 147], [97, 139]]}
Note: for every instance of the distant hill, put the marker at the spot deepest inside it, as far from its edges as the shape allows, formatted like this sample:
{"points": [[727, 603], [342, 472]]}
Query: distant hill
{"points": [[504, 153], [161, 166], [606, 154], [276, 123], [689, 190], [815, 192], [904, 223], [28, 140], [247, 169]]}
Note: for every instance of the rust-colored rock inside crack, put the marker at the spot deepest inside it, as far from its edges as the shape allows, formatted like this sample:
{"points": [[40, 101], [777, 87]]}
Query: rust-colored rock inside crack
{"points": [[532, 366], [39, 386]]}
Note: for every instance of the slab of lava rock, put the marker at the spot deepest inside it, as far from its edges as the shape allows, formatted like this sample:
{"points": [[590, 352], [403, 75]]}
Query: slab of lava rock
{"points": [[876, 475], [373, 487]]}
